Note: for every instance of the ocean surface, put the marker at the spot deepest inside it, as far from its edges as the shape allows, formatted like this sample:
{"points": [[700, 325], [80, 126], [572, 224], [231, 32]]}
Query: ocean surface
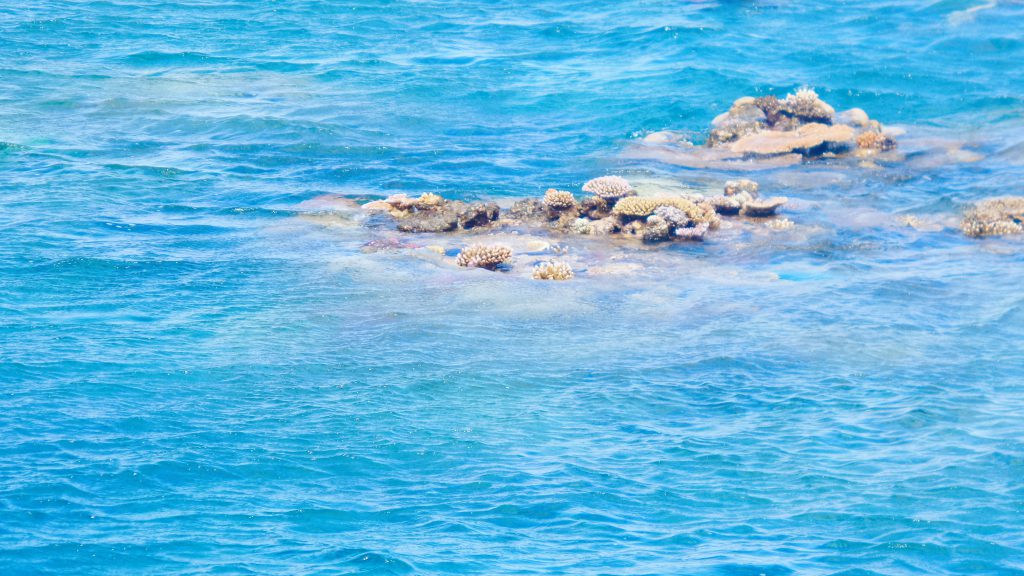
{"points": [[197, 378]]}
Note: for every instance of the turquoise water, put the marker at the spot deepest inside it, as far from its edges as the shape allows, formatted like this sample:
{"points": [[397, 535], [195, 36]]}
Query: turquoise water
{"points": [[196, 379]]}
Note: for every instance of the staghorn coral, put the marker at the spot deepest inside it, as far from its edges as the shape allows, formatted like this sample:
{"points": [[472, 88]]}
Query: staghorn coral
{"points": [[552, 271], [483, 256], [994, 217], [609, 187], [559, 200], [763, 208]]}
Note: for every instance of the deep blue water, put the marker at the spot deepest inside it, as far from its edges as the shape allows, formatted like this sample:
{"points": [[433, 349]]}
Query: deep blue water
{"points": [[194, 379]]}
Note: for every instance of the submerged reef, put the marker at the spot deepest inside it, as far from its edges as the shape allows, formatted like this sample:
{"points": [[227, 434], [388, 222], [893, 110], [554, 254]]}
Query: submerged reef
{"points": [[995, 217], [766, 132], [614, 210]]}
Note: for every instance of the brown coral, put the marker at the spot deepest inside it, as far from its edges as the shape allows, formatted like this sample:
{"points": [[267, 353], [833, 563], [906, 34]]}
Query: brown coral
{"points": [[483, 256], [995, 217], [609, 187], [552, 271]]}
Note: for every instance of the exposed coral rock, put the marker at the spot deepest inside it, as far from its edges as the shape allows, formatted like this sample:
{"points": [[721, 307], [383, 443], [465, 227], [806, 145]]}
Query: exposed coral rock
{"points": [[595, 208], [552, 271], [559, 200], [609, 187], [853, 117], [995, 217], [763, 208], [805, 140], [477, 214], [872, 140], [726, 205], [744, 117], [527, 209], [428, 200], [429, 221], [483, 256], [447, 216], [734, 187]]}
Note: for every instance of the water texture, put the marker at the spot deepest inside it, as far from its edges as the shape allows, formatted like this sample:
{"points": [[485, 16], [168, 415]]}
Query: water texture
{"points": [[194, 379]]}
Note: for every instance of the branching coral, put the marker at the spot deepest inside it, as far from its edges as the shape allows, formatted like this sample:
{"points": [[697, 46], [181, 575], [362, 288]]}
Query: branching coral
{"points": [[807, 106], [483, 256], [559, 200], [995, 217], [552, 271], [609, 187]]}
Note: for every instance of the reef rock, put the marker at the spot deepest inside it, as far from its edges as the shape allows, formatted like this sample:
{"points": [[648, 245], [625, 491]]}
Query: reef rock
{"points": [[994, 217]]}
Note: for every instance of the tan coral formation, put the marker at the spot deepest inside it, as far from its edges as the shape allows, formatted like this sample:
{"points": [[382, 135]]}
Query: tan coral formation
{"points": [[994, 217], [552, 271], [484, 256], [609, 188], [801, 123], [559, 200]]}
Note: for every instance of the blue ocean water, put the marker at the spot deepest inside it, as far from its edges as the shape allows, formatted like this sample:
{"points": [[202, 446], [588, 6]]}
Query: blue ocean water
{"points": [[195, 379]]}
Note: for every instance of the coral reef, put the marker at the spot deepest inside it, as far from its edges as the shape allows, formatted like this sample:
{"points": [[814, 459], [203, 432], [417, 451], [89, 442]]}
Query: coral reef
{"points": [[483, 256], [801, 123], [552, 271], [609, 188], [994, 217]]}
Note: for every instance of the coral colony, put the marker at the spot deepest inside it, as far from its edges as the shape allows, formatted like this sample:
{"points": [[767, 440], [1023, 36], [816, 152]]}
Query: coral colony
{"points": [[798, 127]]}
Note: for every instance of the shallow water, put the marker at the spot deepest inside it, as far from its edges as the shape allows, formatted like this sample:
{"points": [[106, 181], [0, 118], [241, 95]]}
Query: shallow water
{"points": [[195, 379]]}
